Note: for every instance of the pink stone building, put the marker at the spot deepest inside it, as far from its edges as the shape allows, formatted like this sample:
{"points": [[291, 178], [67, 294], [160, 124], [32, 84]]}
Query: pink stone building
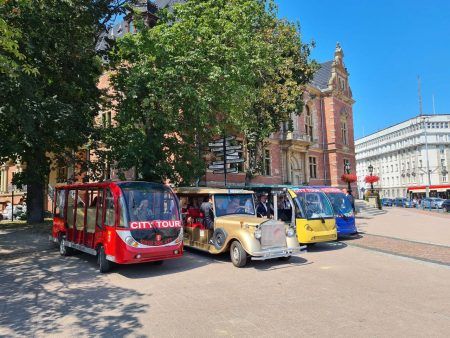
{"points": [[321, 142]]}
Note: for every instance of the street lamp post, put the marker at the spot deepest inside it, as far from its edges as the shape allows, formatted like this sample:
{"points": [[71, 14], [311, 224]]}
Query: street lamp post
{"points": [[427, 189], [347, 170], [371, 172]]}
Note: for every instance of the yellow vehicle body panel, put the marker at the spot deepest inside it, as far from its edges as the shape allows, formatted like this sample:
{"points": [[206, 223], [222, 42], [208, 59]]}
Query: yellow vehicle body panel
{"points": [[314, 231]]}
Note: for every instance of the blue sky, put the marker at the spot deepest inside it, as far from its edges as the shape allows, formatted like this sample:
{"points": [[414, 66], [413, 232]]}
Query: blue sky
{"points": [[386, 45]]}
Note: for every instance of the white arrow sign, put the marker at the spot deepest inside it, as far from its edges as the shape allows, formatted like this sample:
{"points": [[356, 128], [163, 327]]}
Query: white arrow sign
{"points": [[230, 152], [215, 166], [239, 160], [229, 171], [218, 144]]}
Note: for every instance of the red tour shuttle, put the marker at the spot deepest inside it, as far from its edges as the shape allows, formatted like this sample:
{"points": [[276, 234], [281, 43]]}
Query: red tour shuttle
{"points": [[119, 222]]}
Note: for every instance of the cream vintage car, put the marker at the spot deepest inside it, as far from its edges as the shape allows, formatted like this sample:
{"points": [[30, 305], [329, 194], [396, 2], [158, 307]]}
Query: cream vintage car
{"points": [[235, 227]]}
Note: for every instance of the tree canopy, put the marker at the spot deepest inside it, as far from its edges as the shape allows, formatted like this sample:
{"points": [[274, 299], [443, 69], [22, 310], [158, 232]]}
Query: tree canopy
{"points": [[208, 67], [50, 110]]}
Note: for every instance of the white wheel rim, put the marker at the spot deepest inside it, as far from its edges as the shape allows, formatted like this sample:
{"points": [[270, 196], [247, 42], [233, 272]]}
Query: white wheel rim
{"points": [[62, 247], [235, 253]]}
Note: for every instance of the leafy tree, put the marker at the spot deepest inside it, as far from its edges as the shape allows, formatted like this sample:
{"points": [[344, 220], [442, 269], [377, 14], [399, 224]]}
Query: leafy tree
{"points": [[50, 112], [209, 67]]}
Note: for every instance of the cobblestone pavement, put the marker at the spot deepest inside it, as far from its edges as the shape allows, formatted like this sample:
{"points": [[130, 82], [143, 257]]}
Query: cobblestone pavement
{"points": [[422, 251], [335, 289], [408, 224]]}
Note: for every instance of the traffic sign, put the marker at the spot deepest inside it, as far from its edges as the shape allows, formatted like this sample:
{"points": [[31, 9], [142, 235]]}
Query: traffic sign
{"points": [[229, 171], [215, 166], [218, 144], [230, 152], [239, 160], [234, 148]]}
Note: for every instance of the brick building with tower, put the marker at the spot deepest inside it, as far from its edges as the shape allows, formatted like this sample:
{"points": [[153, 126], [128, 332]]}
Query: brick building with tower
{"points": [[316, 151]]}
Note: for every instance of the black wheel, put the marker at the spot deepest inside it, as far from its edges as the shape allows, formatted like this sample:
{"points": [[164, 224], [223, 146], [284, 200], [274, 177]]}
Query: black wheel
{"points": [[103, 264], [63, 249], [218, 238], [238, 254], [158, 262], [285, 259]]}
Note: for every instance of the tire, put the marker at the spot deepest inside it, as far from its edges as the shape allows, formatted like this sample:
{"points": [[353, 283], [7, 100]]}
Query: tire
{"points": [[238, 254], [64, 250], [103, 264], [285, 259], [218, 238]]}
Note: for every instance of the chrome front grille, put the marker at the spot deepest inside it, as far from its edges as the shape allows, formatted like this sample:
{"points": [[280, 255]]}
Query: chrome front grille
{"points": [[273, 234]]}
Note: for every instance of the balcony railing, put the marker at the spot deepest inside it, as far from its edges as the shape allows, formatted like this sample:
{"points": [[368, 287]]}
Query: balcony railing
{"points": [[294, 136]]}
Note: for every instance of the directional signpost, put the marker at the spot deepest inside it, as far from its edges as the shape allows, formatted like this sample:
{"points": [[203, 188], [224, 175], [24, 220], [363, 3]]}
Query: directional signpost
{"points": [[227, 155]]}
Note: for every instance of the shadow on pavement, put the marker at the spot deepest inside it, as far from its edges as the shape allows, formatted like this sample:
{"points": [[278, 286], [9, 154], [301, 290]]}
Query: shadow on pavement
{"points": [[359, 235], [251, 264], [45, 294], [327, 246]]}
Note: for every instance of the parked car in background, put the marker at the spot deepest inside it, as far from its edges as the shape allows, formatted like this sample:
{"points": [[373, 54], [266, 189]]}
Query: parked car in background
{"points": [[446, 205], [386, 202], [404, 202], [432, 203], [399, 201], [407, 203], [19, 211]]}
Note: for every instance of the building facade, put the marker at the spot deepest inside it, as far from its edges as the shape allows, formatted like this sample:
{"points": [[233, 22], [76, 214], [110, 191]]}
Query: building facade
{"points": [[404, 154], [322, 140]]}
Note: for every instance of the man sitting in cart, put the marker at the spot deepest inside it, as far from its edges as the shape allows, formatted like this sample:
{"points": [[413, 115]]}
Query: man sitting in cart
{"points": [[143, 212], [264, 209], [208, 214]]}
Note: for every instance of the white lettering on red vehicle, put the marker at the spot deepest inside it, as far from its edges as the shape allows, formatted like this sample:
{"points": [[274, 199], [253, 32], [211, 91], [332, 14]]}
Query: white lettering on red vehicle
{"points": [[157, 224]]}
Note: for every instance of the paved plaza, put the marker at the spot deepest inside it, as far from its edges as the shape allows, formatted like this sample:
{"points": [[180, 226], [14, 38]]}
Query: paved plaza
{"points": [[381, 283]]}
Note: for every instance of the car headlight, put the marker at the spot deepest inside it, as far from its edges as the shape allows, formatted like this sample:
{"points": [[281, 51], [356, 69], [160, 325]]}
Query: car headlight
{"points": [[131, 242], [180, 237], [257, 233], [290, 232]]}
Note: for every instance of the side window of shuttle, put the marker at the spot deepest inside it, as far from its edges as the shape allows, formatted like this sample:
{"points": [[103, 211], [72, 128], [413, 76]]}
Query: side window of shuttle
{"points": [[110, 210], [100, 208], [59, 203]]}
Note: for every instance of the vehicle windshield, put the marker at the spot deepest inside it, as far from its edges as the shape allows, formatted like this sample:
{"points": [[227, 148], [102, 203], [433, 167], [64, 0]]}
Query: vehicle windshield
{"points": [[341, 204], [148, 202], [233, 204], [316, 205]]}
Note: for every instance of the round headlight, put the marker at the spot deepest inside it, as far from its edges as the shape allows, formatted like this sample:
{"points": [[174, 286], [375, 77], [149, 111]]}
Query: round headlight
{"points": [[129, 240], [290, 232], [257, 233]]}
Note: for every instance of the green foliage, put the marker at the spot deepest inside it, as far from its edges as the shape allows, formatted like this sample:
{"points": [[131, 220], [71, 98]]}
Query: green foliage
{"points": [[50, 111], [11, 59], [208, 67]]}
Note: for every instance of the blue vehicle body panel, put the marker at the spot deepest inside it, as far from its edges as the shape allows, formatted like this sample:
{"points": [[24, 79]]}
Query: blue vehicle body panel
{"points": [[345, 225]]}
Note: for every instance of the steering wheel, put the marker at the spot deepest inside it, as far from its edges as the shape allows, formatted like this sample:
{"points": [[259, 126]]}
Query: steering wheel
{"points": [[240, 210]]}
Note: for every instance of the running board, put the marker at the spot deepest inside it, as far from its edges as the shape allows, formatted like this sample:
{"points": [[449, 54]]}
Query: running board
{"points": [[80, 247]]}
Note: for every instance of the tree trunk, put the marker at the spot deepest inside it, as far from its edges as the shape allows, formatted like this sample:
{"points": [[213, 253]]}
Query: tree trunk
{"points": [[35, 202]]}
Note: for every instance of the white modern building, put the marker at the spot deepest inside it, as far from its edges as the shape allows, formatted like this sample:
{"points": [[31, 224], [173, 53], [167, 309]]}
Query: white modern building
{"points": [[408, 157]]}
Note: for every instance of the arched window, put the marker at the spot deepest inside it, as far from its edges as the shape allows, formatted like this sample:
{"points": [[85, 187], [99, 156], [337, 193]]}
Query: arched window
{"points": [[344, 132], [308, 123]]}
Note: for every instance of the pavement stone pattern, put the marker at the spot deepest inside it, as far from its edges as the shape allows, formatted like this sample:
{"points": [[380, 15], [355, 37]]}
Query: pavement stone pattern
{"points": [[334, 290], [422, 251], [405, 223]]}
